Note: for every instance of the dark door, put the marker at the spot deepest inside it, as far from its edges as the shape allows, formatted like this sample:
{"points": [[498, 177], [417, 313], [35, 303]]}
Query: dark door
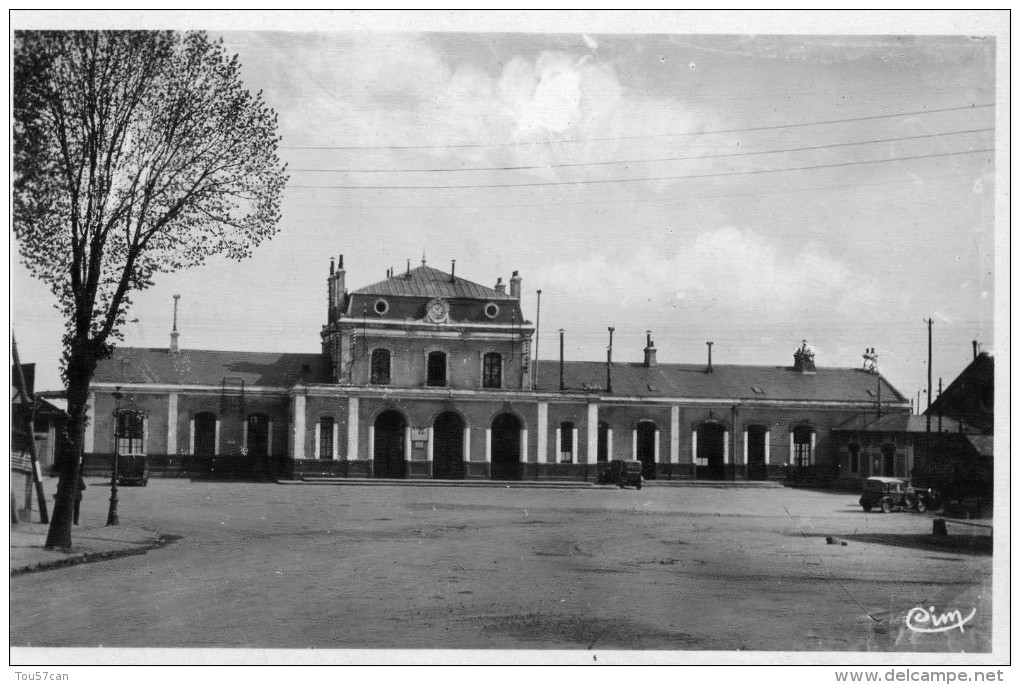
{"points": [[448, 447], [258, 435], [506, 448], [756, 468], [711, 439], [389, 445], [603, 454], [646, 448], [205, 434], [888, 459]]}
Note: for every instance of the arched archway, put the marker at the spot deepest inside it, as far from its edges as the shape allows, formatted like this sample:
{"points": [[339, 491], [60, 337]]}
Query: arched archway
{"points": [[646, 448], [388, 445], [448, 446], [711, 451], [506, 447], [757, 468]]}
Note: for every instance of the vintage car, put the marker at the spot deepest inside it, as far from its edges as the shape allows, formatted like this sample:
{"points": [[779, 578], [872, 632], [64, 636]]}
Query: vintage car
{"points": [[890, 494], [132, 470], [623, 472]]}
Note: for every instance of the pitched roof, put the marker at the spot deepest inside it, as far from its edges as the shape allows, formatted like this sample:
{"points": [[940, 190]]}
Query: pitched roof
{"points": [[424, 281], [902, 423], [727, 381], [211, 367]]}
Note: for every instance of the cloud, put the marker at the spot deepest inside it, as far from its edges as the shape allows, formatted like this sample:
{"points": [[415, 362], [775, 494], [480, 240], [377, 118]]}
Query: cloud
{"points": [[724, 271]]}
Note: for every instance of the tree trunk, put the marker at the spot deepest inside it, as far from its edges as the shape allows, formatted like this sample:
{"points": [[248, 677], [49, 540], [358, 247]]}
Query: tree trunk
{"points": [[80, 367]]}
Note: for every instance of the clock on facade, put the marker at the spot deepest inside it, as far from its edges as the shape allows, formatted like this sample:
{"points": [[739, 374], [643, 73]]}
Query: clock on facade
{"points": [[437, 311]]}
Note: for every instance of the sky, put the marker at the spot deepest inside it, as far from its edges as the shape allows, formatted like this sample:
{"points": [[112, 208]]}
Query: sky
{"points": [[749, 189]]}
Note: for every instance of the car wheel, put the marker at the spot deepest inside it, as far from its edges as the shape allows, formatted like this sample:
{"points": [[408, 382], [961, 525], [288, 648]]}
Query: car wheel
{"points": [[866, 508], [921, 506], [886, 506]]}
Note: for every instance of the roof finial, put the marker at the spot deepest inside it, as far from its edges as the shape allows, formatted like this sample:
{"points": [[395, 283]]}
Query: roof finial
{"points": [[423, 256]]}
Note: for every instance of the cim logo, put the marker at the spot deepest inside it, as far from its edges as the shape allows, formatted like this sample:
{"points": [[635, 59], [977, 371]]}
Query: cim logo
{"points": [[922, 620]]}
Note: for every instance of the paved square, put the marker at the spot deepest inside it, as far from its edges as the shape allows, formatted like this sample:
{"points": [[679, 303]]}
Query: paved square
{"points": [[391, 566]]}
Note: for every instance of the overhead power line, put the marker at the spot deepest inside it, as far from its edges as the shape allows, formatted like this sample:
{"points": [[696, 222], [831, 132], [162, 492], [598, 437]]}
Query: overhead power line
{"points": [[653, 159], [640, 137], [644, 178]]}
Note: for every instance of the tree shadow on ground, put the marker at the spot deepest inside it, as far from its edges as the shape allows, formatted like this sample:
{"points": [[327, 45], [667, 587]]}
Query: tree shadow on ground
{"points": [[976, 545]]}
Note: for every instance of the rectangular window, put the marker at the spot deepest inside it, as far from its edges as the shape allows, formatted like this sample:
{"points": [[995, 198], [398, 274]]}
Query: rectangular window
{"points": [[566, 442], [492, 370], [380, 367], [130, 432], [326, 437], [436, 369]]}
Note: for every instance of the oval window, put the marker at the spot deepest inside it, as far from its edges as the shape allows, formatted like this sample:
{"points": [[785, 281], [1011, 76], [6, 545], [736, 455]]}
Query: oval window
{"points": [[381, 306], [492, 310]]}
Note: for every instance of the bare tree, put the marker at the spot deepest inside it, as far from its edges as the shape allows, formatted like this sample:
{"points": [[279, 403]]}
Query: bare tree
{"points": [[135, 154]]}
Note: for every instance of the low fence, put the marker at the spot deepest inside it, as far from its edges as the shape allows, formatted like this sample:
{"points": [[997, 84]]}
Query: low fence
{"points": [[219, 467]]}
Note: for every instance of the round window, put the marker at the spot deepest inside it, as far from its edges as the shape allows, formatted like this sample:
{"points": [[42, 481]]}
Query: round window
{"points": [[492, 310], [381, 306]]}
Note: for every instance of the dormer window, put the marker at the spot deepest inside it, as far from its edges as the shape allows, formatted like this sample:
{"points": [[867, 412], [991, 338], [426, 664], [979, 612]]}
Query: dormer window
{"points": [[436, 369]]}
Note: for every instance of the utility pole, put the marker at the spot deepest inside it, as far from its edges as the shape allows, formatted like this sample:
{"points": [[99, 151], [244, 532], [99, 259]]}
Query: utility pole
{"points": [[538, 321], [44, 516], [609, 362], [940, 413], [927, 413]]}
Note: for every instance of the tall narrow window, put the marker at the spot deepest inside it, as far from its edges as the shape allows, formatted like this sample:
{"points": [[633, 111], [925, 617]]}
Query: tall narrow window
{"points": [[258, 435], [326, 437], [492, 370], [567, 442], [802, 446], [380, 367], [205, 434], [436, 369], [130, 432]]}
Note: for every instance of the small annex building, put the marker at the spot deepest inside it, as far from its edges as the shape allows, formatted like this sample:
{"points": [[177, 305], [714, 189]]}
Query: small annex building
{"points": [[428, 375]]}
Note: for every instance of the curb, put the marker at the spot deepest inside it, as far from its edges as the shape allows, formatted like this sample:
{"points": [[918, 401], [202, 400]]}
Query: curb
{"points": [[538, 485], [90, 557]]}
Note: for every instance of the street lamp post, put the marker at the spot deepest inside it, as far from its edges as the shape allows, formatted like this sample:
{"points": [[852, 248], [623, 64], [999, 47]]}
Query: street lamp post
{"points": [[111, 517]]}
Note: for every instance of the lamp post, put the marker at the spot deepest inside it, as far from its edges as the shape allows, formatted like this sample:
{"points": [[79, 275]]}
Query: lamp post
{"points": [[111, 517]]}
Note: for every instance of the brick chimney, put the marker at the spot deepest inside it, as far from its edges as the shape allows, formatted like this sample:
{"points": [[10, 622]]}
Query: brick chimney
{"points": [[174, 335], [515, 285], [500, 286], [650, 351], [804, 359]]}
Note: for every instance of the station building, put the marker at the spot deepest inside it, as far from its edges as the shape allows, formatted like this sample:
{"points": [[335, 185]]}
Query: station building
{"points": [[428, 375]]}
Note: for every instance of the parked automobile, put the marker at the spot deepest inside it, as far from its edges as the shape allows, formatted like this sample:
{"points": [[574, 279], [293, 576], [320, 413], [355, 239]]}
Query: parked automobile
{"points": [[132, 470], [623, 472], [890, 494]]}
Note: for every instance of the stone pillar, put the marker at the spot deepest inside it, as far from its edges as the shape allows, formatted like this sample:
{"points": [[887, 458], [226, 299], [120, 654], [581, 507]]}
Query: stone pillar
{"points": [[559, 446], [428, 447], [726, 447], [171, 424], [811, 454], [191, 436], [407, 442], [298, 411], [336, 438], [694, 447], [371, 443], [745, 448], [352, 428], [573, 446], [524, 445], [674, 434], [768, 436], [269, 439], [543, 433], [488, 445], [467, 443], [216, 447], [792, 453], [656, 445], [317, 449], [633, 443], [609, 444], [593, 433], [90, 424]]}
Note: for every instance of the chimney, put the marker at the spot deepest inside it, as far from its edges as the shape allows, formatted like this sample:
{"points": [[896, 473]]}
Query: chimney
{"points": [[709, 368], [804, 359], [408, 274], [975, 345], [174, 335], [453, 271], [649, 351], [515, 285], [339, 283], [500, 286]]}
